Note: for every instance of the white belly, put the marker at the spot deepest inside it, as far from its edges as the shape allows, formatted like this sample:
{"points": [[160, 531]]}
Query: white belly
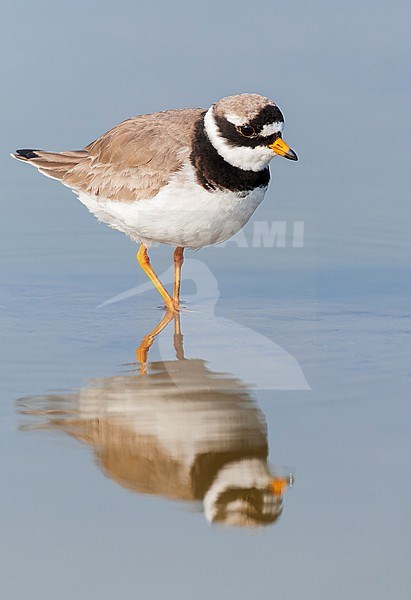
{"points": [[182, 214]]}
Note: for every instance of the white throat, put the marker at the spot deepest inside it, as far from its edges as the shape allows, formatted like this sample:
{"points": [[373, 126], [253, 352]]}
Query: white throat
{"points": [[242, 157]]}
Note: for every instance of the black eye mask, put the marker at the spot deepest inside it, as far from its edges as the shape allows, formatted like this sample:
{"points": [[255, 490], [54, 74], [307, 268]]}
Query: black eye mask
{"points": [[235, 137]]}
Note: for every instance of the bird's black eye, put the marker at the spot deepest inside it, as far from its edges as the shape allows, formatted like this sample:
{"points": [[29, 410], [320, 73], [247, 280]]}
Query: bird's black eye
{"points": [[246, 130]]}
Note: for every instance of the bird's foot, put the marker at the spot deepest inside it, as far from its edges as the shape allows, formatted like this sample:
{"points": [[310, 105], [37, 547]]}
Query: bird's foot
{"points": [[173, 305]]}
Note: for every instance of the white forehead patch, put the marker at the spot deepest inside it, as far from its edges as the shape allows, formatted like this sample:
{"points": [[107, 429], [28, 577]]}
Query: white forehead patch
{"points": [[235, 119], [270, 128]]}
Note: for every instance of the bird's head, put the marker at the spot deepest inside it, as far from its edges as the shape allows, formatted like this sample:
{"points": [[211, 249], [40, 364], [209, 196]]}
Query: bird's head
{"points": [[246, 130]]}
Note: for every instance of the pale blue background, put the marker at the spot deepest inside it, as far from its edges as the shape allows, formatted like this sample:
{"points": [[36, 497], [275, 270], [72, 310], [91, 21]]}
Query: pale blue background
{"points": [[340, 305]]}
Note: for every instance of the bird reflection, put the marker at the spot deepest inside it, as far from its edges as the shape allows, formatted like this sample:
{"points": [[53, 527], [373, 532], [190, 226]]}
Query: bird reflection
{"points": [[174, 429]]}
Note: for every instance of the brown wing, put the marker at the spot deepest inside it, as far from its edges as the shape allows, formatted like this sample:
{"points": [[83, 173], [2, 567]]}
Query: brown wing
{"points": [[130, 162]]}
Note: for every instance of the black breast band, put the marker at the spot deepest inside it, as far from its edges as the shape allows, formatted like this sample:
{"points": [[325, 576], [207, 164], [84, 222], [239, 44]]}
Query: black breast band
{"points": [[213, 172]]}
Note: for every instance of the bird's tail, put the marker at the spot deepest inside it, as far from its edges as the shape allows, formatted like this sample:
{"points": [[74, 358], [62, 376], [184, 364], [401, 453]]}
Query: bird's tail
{"points": [[52, 164]]}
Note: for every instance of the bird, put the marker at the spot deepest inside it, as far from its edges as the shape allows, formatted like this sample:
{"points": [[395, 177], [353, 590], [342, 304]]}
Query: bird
{"points": [[183, 432], [187, 178]]}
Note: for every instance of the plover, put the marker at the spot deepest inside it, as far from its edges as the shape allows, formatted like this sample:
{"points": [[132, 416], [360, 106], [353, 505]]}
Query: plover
{"points": [[187, 433], [188, 178]]}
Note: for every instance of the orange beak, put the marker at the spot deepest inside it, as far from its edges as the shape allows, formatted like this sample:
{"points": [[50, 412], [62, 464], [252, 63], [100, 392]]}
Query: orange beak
{"points": [[283, 149], [278, 486]]}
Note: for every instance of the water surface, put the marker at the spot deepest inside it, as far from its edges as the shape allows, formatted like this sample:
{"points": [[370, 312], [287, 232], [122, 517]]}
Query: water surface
{"points": [[171, 479]]}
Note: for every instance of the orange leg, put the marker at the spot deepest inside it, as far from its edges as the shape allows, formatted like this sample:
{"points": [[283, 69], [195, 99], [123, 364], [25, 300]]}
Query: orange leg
{"points": [[147, 342], [178, 263], [145, 264], [178, 338]]}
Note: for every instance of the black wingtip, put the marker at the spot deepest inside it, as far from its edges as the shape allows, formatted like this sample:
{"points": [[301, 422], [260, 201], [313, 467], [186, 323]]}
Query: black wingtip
{"points": [[27, 153]]}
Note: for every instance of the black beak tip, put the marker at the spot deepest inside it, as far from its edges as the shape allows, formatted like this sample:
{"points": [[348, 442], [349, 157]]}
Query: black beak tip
{"points": [[291, 155]]}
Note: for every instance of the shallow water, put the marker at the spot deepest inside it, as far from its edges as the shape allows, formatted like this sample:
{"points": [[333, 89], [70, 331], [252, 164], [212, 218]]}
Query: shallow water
{"points": [[156, 480], [172, 478]]}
